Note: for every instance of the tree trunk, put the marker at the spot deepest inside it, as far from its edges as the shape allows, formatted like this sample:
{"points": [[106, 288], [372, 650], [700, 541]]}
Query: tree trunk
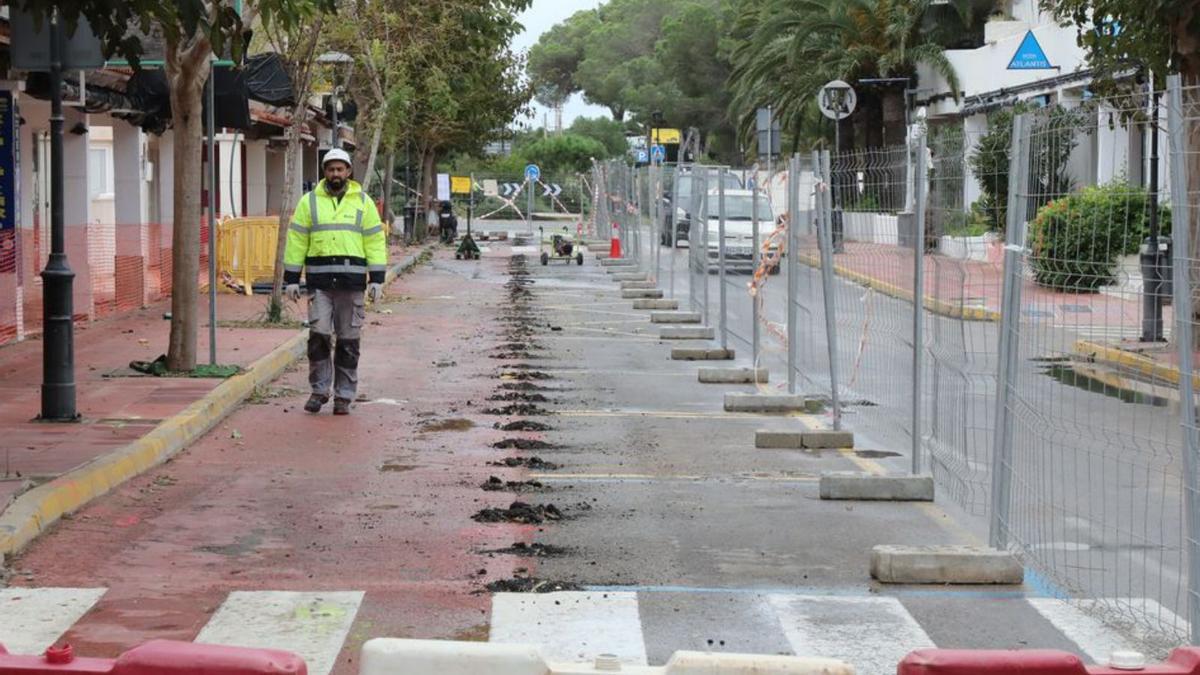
{"points": [[388, 181], [373, 153], [275, 309], [186, 75]]}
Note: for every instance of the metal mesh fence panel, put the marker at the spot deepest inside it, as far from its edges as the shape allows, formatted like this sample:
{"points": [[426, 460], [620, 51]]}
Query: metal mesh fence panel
{"points": [[1089, 472], [873, 239], [963, 274]]}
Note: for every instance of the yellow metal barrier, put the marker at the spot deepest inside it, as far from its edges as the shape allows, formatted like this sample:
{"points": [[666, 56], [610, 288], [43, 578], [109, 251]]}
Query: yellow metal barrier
{"points": [[246, 252]]}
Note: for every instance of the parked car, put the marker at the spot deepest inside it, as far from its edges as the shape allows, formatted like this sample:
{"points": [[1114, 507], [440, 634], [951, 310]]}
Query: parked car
{"points": [[740, 212], [677, 208]]}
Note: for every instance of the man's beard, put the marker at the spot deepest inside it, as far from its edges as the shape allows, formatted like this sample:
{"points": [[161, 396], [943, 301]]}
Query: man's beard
{"points": [[335, 184]]}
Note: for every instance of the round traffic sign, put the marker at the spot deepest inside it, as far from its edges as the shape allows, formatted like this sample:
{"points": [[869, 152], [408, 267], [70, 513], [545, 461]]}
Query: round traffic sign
{"points": [[533, 173], [837, 100]]}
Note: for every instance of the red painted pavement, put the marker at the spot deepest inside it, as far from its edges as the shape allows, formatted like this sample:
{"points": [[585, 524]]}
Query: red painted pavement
{"points": [[276, 499]]}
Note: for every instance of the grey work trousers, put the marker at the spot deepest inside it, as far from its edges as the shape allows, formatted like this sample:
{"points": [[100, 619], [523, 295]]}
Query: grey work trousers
{"points": [[334, 313]]}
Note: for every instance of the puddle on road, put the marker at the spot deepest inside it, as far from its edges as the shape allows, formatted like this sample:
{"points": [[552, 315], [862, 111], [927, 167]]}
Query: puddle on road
{"points": [[447, 425], [391, 467], [1073, 377]]}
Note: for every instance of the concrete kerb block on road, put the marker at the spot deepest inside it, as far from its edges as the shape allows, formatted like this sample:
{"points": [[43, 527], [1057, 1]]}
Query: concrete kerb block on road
{"points": [[857, 486], [626, 268], [612, 262], [945, 565], [733, 375], [764, 403], [629, 276], [823, 439], [701, 354], [636, 285], [33, 512], [641, 294], [687, 333], [385, 656], [656, 304], [675, 317]]}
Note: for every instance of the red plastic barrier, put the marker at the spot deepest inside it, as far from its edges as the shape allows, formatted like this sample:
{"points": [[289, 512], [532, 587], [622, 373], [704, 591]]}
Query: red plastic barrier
{"points": [[1183, 661], [159, 657]]}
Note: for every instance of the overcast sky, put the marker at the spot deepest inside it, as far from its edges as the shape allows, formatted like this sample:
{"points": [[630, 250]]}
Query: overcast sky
{"points": [[538, 19]]}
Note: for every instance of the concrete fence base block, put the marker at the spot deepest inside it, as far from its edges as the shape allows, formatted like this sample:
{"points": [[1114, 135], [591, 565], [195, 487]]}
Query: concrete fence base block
{"points": [[628, 276], [675, 317], [624, 268], [945, 565], [778, 440], [827, 439], [656, 304], [636, 285], [764, 403], [386, 656], [688, 333], [850, 485], [701, 354], [614, 262], [733, 375], [641, 293]]}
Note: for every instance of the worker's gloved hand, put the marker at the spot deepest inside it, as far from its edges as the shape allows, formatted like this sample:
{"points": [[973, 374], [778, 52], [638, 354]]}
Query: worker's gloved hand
{"points": [[293, 292], [374, 292]]}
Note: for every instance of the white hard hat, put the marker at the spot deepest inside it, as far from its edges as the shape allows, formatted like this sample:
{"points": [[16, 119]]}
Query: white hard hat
{"points": [[336, 154]]}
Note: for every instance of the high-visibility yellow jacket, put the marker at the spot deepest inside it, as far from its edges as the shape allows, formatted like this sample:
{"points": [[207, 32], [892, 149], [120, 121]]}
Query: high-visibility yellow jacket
{"points": [[339, 244]]}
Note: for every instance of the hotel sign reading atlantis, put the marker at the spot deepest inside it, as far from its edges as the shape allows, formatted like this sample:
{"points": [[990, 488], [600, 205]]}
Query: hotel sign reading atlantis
{"points": [[1030, 55]]}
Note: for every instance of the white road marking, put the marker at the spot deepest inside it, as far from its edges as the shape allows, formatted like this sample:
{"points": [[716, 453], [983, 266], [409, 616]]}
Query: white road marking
{"points": [[571, 627], [871, 633], [1096, 640], [313, 625], [32, 619]]}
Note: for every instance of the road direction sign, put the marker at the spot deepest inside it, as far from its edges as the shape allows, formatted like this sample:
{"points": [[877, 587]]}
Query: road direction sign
{"points": [[533, 173], [658, 153], [837, 100], [510, 189], [552, 190]]}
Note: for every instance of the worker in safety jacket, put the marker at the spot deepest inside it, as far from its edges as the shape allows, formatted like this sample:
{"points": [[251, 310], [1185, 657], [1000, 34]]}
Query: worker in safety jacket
{"points": [[337, 239]]}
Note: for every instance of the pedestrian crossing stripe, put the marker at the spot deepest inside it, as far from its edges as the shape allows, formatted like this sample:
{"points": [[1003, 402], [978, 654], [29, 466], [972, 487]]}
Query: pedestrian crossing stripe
{"points": [[32, 619], [871, 632], [312, 625]]}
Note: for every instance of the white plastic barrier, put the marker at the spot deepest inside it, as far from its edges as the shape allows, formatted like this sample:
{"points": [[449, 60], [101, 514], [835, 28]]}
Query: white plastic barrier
{"points": [[391, 656]]}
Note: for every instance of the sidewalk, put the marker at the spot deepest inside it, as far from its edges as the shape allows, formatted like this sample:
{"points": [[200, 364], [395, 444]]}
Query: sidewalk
{"points": [[119, 406]]}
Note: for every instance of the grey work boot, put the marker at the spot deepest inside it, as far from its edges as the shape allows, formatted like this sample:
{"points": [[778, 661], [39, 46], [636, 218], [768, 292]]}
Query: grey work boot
{"points": [[315, 402], [341, 406]]}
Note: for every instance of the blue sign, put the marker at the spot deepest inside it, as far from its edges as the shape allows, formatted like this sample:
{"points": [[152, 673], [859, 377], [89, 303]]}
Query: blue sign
{"points": [[9, 206], [658, 153], [532, 173], [642, 157], [1030, 55]]}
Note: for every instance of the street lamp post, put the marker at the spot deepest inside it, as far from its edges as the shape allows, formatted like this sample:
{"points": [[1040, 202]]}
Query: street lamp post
{"points": [[336, 58], [837, 97], [58, 352]]}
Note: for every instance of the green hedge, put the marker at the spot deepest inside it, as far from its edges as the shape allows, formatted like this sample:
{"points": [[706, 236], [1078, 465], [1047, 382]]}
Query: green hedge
{"points": [[1077, 240]]}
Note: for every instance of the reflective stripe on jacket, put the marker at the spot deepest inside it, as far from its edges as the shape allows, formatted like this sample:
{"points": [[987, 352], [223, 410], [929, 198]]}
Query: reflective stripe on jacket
{"points": [[338, 244]]}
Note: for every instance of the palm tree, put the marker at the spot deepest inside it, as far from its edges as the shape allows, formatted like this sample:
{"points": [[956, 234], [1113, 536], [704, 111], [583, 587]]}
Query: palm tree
{"points": [[787, 49]]}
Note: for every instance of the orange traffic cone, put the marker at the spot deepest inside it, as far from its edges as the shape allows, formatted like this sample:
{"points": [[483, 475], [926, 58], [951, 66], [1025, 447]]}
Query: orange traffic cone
{"points": [[614, 251]]}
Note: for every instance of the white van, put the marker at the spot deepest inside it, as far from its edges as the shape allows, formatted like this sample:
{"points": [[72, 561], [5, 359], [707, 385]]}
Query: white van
{"points": [[740, 211]]}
